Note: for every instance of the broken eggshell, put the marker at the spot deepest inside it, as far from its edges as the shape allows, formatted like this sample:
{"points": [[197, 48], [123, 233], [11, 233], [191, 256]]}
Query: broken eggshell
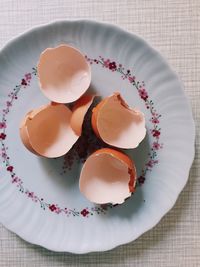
{"points": [[24, 133], [64, 74], [117, 124], [46, 131], [79, 111], [107, 176]]}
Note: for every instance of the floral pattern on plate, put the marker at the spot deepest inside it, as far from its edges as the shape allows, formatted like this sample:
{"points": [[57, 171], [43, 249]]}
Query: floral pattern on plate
{"points": [[75, 154]]}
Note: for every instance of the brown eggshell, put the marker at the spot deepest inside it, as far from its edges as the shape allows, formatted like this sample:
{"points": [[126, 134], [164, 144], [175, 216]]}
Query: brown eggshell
{"points": [[64, 74], [46, 131], [79, 111], [108, 176], [24, 134], [117, 124]]}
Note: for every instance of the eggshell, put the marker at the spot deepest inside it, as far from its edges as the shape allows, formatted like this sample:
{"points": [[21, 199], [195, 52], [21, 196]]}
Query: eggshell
{"points": [[64, 74], [46, 131], [108, 176], [117, 124], [79, 111], [24, 134]]}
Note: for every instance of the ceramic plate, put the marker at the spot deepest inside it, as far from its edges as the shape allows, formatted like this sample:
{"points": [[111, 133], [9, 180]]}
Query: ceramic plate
{"points": [[40, 198]]}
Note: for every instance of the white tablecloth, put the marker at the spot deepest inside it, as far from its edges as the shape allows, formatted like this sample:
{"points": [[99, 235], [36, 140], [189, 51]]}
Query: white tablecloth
{"points": [[173, 28]]}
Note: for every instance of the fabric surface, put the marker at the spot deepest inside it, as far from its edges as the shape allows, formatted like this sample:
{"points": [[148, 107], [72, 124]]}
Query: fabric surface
{"points": [[173, 28]]}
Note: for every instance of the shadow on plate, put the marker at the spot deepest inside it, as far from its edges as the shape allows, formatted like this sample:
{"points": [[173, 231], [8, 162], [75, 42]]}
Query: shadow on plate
{"points": [[65, 171], [55, 172], [133, 204]]}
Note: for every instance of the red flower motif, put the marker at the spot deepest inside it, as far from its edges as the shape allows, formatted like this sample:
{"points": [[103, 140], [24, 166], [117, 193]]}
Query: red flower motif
{"points": [[58, 210], [52, 207], [2, 136], [143, 94], [106, 63], [112, 66], [150, 164], [2, 125], [155, 120], [9, 104], [3, 154], [10, 168], [141, 180], [30, 194], [15, 179], [28, 76], [131, 79], [156, 146], [84, 212], [23, 82], [155, 133]]}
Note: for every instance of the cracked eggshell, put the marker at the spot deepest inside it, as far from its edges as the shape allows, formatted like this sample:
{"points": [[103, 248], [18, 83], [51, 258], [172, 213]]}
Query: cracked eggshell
{"points": [[46, 131], [117, 124], [64, 74], [108, 176], [24, 133], [79, 111]]}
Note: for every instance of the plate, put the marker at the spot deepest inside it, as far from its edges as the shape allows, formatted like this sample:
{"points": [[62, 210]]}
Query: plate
{"points": [[39, 198]]}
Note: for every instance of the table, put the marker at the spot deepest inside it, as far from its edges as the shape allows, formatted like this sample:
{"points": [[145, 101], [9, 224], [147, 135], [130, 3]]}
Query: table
{"points": [[173, 28]]}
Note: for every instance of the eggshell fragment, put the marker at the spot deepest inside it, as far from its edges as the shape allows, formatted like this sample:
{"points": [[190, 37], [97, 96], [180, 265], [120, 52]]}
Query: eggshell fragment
{"points": [[46, 131], [79, 111], [117, 124], [64, 74], [108, 176], [24, 134]]}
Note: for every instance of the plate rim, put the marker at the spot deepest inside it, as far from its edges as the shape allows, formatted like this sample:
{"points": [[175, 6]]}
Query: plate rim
{"points": [[157, 52]]}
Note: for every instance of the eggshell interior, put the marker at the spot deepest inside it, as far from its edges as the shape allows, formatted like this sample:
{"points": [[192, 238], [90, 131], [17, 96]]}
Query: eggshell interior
{"points": [[64, 74], [105, 177], [48, 131], [79, 111], [117, 124]]}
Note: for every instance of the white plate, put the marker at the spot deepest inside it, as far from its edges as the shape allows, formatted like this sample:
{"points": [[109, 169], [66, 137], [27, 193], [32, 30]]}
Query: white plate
{"points": [[39, 200]]}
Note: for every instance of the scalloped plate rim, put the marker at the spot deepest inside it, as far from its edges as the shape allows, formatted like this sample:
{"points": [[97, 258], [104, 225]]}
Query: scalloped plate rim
{"points": [[38, 27]]}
